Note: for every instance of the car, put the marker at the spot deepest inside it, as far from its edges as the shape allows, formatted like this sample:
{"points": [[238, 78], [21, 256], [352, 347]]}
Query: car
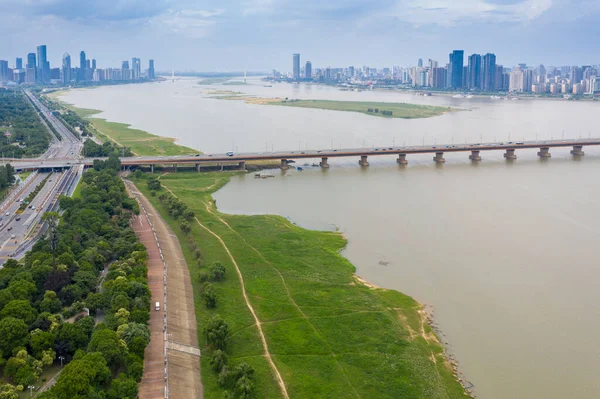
{"points": [[229, 153], [7, 213], [197, 155], [30, 206], [18, 218], [376, 149], [13, 236], [519, 143], [9, 228], [18, 199], [390, 148], [302, 153], [318, 152], [210, 155]]}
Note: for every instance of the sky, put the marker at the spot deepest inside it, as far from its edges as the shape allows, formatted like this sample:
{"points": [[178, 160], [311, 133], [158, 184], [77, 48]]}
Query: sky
{"points": [[261, 35]]}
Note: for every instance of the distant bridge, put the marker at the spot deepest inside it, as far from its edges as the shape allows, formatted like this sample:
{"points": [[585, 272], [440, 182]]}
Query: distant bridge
{"points": [[285, 157]]}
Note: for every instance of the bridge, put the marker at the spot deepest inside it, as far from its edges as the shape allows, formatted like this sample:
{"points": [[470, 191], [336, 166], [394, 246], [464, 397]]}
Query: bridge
{"points": [[286, 157]]}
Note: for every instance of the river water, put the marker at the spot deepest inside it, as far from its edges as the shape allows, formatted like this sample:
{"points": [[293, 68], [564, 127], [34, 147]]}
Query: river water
{"points": [[503, 251]]}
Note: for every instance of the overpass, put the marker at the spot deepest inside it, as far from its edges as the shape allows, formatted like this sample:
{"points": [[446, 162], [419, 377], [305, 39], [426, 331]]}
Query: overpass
{"points": [[285, 157]]}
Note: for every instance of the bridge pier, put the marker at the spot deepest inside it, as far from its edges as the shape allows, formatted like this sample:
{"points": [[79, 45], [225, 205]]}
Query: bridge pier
{"points": [[510, 154], [402, 159], [175, 167], [363, 160], [439, 157], [197, 166], [152, 168], [475, 156], [577, 150], [284, 165], [544, 152], [242, 165], [324, 163]]}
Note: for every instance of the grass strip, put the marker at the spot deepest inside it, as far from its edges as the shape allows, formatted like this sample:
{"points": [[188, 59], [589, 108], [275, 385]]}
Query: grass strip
{"points": [[329, 334]]}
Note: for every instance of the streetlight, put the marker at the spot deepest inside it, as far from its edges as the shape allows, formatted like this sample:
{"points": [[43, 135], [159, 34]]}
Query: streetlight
{"points": [[61, 358], [30, 390]]}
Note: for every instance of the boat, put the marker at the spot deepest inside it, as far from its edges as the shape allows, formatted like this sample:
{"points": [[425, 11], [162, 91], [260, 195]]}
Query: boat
{"points": [[469, 96], [458, 96], [314, 165], [300, 168], [268, 86]]}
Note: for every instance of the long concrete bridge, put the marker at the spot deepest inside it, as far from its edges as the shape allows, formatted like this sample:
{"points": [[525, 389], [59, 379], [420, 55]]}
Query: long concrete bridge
{"points": [[285, 157]]}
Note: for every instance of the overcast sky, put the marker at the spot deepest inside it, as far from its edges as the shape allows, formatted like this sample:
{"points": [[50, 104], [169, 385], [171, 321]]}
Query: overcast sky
{"points": [[263, 34]]}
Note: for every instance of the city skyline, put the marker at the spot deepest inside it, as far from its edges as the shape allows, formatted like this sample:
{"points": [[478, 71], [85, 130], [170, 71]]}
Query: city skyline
{"points": [[257, 34]]}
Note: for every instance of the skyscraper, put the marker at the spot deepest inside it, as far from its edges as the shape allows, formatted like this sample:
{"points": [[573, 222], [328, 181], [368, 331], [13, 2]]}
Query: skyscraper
{"points": [[43, 74], [420, 63], [82, 66], [66, 68], [455, 69], [474, 72], [296, 67], [488, 72], [3, 71], [125, 72], [19, 63], [308, 70], [151, 69], [31, 61], [93, 64]]}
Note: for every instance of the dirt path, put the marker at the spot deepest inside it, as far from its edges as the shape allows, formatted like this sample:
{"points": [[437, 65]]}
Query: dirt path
{"points": [[183, 354], [256, 320]]}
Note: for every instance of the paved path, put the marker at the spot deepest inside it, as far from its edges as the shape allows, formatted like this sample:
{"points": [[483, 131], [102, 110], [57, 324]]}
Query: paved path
{"points": [[183, 353]]}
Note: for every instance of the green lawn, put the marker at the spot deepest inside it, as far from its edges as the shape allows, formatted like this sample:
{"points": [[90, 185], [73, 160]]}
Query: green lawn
{"points": [[139, 141], [330, 335], [399, 110]]}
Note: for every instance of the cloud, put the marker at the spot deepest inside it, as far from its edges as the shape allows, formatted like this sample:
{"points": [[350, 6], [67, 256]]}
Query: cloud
{"points": [[190, 22], [450, 13]]}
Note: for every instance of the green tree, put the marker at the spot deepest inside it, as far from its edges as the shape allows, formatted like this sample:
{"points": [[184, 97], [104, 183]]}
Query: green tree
{"points": [[109, 345], [209, 296], [8, 391], [216, 272], [69, 338], [52, 218], [123, 387], [218, 360], [153, 183], [22, 289], [216, 332], [82, 377], [20, 310], [128, 332], [51, 303], [14, 333], [39, 341]]}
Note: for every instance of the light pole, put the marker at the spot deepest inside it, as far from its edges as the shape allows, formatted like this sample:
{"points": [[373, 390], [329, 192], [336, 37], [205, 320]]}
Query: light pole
{"points": [[30, 390], [61, 358]]}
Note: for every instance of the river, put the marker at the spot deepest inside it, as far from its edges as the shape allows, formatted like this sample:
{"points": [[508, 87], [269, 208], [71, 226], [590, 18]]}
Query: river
{"points": [[503, 251]]}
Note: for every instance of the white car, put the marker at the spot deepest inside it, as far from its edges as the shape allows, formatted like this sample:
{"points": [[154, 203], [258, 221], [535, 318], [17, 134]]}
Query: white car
{"points": [[7, 213]]}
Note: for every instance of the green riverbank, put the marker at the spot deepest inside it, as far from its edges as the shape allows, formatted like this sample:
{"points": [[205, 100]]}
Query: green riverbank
{"points": [[329, 334], [140, 142]]}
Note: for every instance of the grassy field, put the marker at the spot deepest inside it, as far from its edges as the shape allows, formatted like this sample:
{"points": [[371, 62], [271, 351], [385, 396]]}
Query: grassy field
{"points": [[139, 141], [399, 110], [330, 335]]}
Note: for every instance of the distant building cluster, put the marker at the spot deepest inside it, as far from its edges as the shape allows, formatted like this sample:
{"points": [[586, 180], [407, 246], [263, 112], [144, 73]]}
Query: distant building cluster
{"points": [[38, 70], [480, 73]]}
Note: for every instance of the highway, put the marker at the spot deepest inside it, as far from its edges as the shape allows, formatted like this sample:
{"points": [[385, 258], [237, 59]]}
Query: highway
{"points": [[20, 230]]}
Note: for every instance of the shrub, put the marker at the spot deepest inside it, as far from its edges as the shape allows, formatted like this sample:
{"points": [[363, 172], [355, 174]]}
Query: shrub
{"points": [[216, 272]]}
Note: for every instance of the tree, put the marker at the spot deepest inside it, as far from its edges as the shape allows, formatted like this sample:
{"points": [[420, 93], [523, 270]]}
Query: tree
{"points": [[20, 310], [13, 332], [216, 332], [108, 344], [82, 376], [22, 289], [218, 360], [8, 391], [216, 272], [52, 218], [123, 387], [153, 183], [69, 338], [245, 388], [128, 332], [39, 341], [209, 296], [51, 303], [185, 226]]}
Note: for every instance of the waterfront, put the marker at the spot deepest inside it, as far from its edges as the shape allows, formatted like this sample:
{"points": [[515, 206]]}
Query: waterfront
{"points": [[503, 251]]}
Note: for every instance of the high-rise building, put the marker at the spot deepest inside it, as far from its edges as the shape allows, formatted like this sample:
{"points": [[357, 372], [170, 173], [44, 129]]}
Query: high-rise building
{"points": [[455, 69], [474, 72], [517, 80], [93, 64], [19, 63], [66, 68], [296, 67], [308, 70], [420, 63], [31, 61], [488, 72], [151, 74], [499, 78], [43, 74], [351, 71], [3, 71], [439, 78], [82, 66], [125, 71]]}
